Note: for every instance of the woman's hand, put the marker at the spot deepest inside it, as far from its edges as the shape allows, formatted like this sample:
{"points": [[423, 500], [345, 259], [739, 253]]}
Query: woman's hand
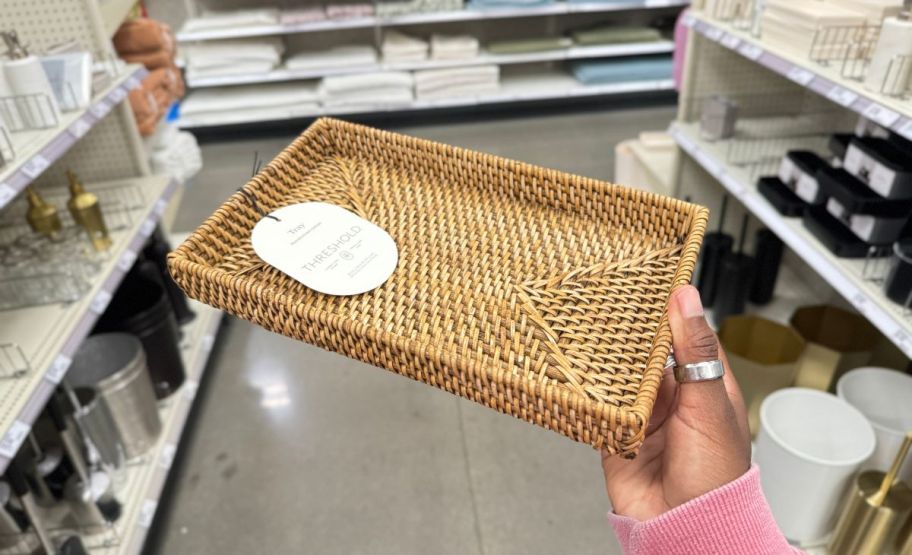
{"points": [[698, 438]]}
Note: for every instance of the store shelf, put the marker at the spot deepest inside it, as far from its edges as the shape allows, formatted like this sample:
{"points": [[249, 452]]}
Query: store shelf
{"points": [[844, 275], [575, 53], [37, 150], [505, 96], [144, 482], [49, 335], [559, 8], [892, 113]]}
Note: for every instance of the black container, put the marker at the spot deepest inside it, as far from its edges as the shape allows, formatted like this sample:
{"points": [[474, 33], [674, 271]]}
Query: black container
{"points": [[882, 165], [157, 251], [142, 307], [768, 257], [736, 275], [798, 171], [838, 144], [715, 246], [783, 199], [898, 285], [871, 217], [834, 236]]}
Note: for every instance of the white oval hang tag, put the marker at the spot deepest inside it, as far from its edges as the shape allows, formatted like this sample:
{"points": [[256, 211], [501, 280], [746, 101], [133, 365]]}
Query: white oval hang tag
{"points": [[326, 247]]}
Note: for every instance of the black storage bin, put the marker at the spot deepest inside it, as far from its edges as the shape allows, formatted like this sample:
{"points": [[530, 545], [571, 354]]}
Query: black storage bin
{"points": [[881, 165], [781, 197], [798, 171], [142, 307], [872, 218], [835, 236], [898, 285]]}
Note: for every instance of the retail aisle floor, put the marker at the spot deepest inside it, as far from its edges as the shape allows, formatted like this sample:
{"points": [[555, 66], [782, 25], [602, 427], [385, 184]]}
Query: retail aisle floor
{"points": [[297, 450]]}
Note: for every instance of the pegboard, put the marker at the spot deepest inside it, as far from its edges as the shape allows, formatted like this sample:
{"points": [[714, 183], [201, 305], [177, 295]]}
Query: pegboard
{"points": [[112, 149], [45, 23]]}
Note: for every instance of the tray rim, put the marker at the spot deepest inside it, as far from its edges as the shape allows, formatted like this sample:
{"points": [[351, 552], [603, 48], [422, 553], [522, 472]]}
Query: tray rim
{"points": [[635, 418]]}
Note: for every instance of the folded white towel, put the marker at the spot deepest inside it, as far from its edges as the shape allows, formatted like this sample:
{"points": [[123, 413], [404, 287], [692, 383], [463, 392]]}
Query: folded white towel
{"points": [[302, 15], [248, 97], [228, 20], [338, 56], [453, 47], [398, 47], [378, 98], [435, 78], [222, 53], [234, 68], [457, 91], [340, 84]]}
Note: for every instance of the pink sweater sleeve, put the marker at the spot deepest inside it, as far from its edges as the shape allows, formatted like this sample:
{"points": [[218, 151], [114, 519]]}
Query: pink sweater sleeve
{"points": [[734, 518]]}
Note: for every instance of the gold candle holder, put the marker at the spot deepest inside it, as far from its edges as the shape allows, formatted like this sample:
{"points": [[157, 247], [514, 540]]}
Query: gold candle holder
{"points": [[42, 216], [875, 509], [86, 211]]}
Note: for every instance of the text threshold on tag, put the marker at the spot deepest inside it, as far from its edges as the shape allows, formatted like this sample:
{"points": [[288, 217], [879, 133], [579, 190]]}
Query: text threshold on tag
{"points": [[326, 247]]}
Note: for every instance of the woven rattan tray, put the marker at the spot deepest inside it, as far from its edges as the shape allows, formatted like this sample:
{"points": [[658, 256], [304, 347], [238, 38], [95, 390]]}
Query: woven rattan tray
{"points": [[534, 292]]}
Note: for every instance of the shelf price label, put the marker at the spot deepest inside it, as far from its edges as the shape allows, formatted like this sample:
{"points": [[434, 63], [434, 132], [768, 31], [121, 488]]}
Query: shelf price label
{"points": [[6, 193], [800, 75], [167, 455], [859, 301], [905, 130], [146, 228], [190, 387], [714, 34], [79, 128], [881, 115], [146, 513], [126, 261], [100, 109], [118, 94], [750, 51], [903, 340], [841, 96], [160, 206], [58, 369], [35, 166], [100, 302], [13, 438], [731, 42]]}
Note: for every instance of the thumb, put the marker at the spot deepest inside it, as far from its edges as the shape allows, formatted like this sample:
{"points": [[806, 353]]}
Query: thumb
{"points": [[694, 341]]}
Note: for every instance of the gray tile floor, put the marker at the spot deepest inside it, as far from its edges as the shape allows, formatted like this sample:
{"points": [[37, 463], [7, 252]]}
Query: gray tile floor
{"points": [[297, 450]]}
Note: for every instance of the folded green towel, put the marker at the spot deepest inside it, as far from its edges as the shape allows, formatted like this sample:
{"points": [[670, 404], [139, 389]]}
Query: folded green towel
{"points": [[613, 35], [523, 46]]}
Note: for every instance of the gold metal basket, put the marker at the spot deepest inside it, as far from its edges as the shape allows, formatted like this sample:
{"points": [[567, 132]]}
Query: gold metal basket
{"points": [[534, 292]]}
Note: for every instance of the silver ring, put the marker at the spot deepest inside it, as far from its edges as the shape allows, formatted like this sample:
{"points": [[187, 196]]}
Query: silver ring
{"points": [[699, 371]]}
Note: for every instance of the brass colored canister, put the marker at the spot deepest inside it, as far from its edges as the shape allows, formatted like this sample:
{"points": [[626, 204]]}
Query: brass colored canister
{"points": [[86, 212], [42, 216], [876, 508], [903, 544]]}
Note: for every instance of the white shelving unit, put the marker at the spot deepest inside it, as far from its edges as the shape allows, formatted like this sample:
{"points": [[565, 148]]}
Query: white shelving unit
{"points": [[890, 112], [844, 275], [144, 482], [559, 8], [575, 53], [507, 94], [49, 335], [36, 150]]}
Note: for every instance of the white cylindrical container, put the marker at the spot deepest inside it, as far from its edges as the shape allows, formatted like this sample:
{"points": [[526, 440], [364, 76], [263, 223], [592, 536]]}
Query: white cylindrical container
{"points": [[891, 64], [884, 396], [27, 78], [8, 108], [809, 446]]}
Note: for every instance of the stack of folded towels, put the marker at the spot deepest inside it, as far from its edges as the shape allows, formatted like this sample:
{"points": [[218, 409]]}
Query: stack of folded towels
{"points": [[608, 34], [352, 55], [215, 21], [453, 47], [392, 8], [494, 4], [233, 57], [456, 82], [385, 88], [524, 46], [250, 99], [398, 47], [349, 10], [298, 16], [636, 68]]}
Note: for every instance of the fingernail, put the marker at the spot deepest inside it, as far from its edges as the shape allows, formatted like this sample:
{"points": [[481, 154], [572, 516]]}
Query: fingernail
{"points": [[689, 303]]}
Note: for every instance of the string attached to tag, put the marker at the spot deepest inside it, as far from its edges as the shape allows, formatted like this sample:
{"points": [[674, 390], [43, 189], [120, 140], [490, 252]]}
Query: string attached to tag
{"points": [[257, 164]]}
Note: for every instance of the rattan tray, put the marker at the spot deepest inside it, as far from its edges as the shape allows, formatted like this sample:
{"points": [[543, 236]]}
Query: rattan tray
{"points": [[534, 292]]}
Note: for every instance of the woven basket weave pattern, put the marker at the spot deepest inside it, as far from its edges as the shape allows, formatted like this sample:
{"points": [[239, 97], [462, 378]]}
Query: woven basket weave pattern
{"points": [[534, 292]]}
